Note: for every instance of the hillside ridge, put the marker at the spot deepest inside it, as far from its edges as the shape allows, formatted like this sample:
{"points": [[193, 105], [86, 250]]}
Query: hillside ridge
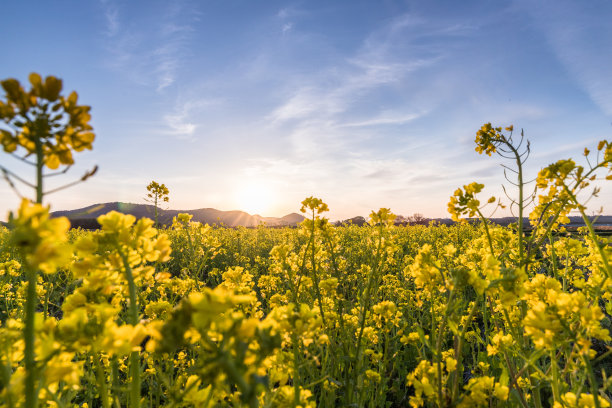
{"points": [[86, 216]]}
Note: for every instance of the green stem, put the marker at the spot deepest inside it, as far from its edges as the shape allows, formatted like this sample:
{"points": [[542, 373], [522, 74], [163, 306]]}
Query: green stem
{"points": [[486, 227], [115, 380], [234, 375], [553, 258], [101, 379], [519, 165], [155, 210], [513, 378], [39, 169], [133, 320], [296, 377], [459, 350], [315, 277], [520, 184], [366, 300], [31, 394], [555, 373], [31, 391], [592, 380], [438, 351]]}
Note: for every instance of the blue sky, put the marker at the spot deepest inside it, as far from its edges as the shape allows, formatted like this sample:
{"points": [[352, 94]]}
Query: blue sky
{"points": [[256, 105]]}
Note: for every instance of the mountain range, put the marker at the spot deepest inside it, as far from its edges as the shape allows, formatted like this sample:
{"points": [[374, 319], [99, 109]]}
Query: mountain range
{"points": [[86, 217]]}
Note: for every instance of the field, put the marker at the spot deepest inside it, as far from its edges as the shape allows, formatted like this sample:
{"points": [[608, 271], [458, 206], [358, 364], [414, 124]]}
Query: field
{"points": [[378, 315], [469, 315]]}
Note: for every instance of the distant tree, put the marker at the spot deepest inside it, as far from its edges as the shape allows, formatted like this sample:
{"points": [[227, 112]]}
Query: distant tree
{"points": [[415, 219], [401, 220], [157, 193], [418, 219], [359, 221]]}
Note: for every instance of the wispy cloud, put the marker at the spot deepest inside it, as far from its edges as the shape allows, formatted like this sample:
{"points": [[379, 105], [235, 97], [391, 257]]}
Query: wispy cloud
{"points": [[325, 108], [112, 18], [150, 54], [579, 39], [338, 123], [290, 12], [360, 75], [180, 125], [287, 27], [568, 149], [287, 17], [385, 118], [180, 122]]}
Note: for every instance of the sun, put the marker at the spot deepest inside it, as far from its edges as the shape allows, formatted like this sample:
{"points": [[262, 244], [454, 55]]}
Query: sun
{"points": [[255, 197]]}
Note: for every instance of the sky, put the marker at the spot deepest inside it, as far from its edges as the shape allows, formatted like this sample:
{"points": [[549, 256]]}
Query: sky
{"points": [[256, 105]]}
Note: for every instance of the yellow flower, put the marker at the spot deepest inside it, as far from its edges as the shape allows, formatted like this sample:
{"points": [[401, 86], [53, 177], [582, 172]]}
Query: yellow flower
{"points": [[384, 216], [210, 304], [386, 309], [372, 376], [464, 202], [480, 390], [571, 400], [451, 364], [62, 367], [41, 239], [499, 341], [410, 338], [124, 339], [315, 205]]}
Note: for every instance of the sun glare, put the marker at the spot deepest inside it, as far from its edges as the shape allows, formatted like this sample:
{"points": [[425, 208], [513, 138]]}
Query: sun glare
{"points": [[255, 198]]}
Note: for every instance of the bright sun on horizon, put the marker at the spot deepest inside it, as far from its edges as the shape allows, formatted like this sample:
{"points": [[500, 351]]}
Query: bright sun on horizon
{"points": [[255, 197]]}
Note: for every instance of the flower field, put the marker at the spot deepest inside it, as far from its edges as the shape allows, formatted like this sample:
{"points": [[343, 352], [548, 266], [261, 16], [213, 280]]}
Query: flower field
{"points": [[469, 315], [380, 315]]}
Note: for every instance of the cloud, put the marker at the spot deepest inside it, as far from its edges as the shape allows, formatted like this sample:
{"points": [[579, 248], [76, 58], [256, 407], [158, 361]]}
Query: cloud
{"points": [[406, 185], [360, 76], [179, 125], [111, 13], [571, 149], [385, 59], [291, 12], [321, 113], [287, 15], [385, 118], [180, 122], [283, 13], [579, 38], [307, 102], [360, 126], [149, 53]]}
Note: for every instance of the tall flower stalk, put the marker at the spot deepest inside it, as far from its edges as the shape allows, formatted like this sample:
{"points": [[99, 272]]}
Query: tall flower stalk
{"points": [[44, 124]]}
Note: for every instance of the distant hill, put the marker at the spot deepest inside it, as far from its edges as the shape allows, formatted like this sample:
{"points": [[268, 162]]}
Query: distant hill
{"points": [[599, 222], [86, 217], [575, 221]]}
